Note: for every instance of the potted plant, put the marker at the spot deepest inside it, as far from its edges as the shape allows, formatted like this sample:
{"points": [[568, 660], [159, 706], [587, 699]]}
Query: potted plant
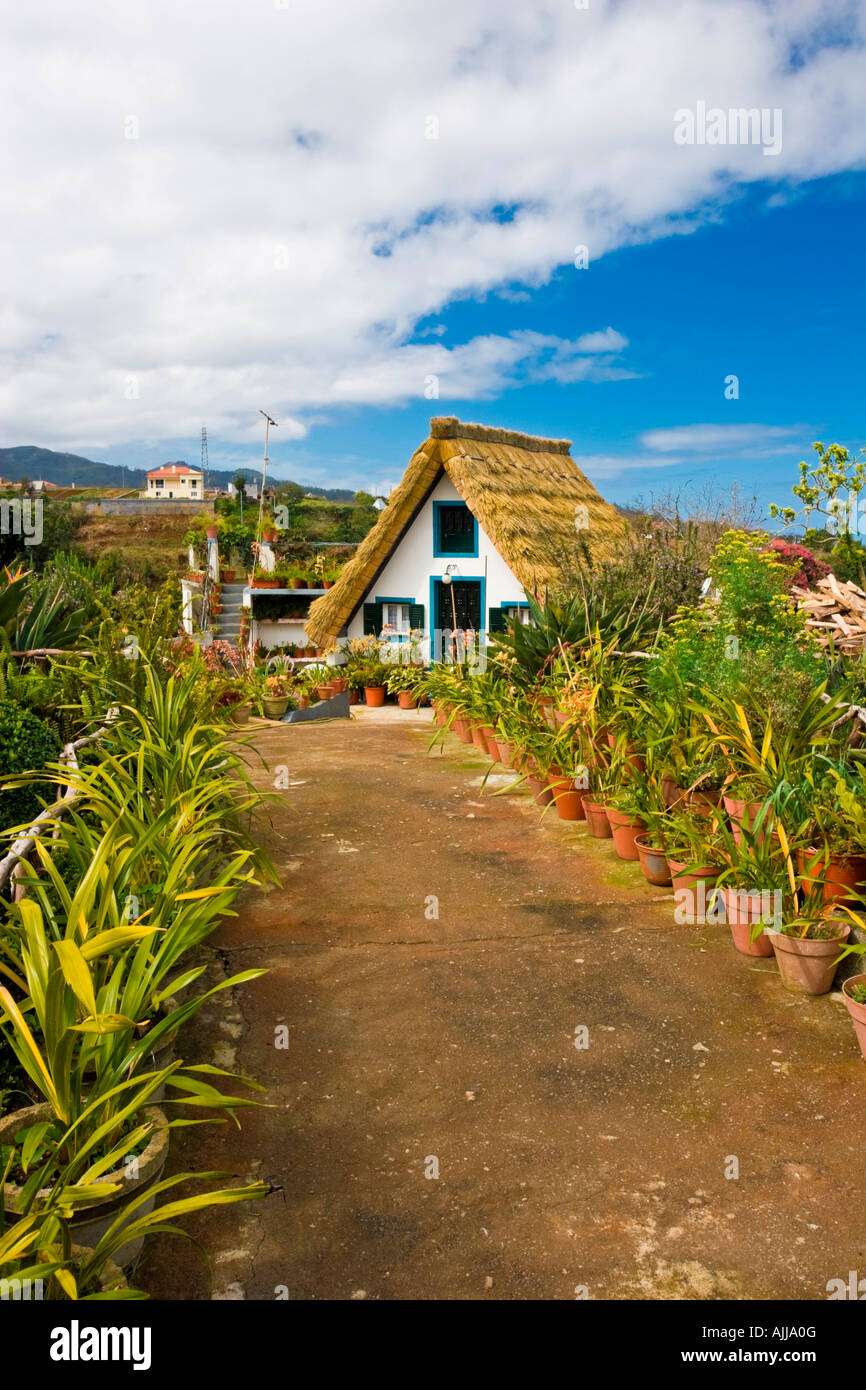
{"points": [[647, 803], [375, 675], [854, 993], [276, 695], [694, 858], [566, 777], [751, 887], [74, 1149], [595, 804], [235, 697], [355, 681], [748, 810], [833, 860], [807, 952], [402, 681], [624, 809], [854, 988]]}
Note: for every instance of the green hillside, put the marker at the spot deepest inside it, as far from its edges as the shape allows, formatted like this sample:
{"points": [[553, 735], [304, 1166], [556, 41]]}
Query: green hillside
{"points": [[30, 461]]}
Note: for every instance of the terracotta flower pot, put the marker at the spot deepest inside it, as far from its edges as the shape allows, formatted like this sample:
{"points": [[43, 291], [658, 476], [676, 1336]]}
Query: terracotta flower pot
{"points": [[687, 875], [441, 717], [633, 759], [211, 532], [227, 576], [374, 695], [542, 793], [323, 692], [704, 802], [305, 700], [489, 736], [841, 875], [338, 685], [653, 863], [478, 737], [596, 819], [299, 582], [354, 697], [625, 831], [327, 583], [694, 889], [672, 793], [743, 814], [406, 700], [463, 730], [258, 583], [857, 1011], [506, 753], [568, 800], [742, 911], [808, 967]]}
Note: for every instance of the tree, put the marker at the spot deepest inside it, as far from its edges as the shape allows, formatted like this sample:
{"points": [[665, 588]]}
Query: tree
{"points": [[290, 492], [240, 484], [364, 515], [819, 488]]}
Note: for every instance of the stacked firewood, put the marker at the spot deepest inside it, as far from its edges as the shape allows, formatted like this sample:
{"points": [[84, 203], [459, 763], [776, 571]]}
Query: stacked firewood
{"points": [[836, 611]]}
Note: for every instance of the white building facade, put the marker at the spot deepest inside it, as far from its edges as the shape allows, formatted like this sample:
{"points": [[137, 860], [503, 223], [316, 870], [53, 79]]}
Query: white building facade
{"points": [[174, 482], [409, 592]]}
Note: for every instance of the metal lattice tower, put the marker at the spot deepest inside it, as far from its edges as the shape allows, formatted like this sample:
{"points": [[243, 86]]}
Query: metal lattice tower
{"points": [[204, 458]]}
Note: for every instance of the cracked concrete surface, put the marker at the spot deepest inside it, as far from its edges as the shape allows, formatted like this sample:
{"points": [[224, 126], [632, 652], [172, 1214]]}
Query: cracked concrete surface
{"points": [[422, 1044]]}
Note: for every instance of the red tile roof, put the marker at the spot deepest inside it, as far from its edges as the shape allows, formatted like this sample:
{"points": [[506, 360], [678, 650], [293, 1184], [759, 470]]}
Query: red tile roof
{"points": [[174, 470]]}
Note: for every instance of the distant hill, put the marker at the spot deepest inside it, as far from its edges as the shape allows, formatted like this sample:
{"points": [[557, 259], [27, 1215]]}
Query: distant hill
{"points": [[29, 461]]}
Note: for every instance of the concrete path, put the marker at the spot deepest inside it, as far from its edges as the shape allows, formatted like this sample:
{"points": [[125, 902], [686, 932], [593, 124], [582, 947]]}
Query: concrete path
{"points": [[423, 1044]]}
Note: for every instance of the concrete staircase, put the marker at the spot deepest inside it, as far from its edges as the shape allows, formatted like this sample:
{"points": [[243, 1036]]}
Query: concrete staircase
{"points": [[230, 618]]}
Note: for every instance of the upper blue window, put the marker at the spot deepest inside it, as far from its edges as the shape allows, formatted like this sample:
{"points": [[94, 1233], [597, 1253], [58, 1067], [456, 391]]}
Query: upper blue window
{"points": [[455, 530]]}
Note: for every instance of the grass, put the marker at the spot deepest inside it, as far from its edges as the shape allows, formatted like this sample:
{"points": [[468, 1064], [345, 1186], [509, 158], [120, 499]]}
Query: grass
{"points": [[157, 540]]}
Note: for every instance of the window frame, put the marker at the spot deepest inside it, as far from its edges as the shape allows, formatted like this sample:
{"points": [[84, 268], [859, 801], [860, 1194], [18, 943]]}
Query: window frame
{"points": [[438, 552]]}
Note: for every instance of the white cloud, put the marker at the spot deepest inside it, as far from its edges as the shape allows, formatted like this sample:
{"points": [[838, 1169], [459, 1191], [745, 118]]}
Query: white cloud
{"points": [[281, 222], [598, 466], [730, 440]]}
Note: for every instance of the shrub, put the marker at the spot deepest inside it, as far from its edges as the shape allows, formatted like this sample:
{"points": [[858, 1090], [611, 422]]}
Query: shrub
{"points": [[804, 567], [26, 745]]}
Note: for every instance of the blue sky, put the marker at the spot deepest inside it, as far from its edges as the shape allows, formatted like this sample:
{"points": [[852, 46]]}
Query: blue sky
{"points": [[315, 208], [771, 291]]}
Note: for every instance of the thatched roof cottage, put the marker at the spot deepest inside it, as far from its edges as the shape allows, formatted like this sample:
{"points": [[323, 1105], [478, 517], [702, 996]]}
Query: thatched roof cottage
{"points": [[497, 511]]}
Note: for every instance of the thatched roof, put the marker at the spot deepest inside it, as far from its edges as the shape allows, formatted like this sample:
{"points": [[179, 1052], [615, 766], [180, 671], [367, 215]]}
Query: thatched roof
{"points": [[524, 492]]}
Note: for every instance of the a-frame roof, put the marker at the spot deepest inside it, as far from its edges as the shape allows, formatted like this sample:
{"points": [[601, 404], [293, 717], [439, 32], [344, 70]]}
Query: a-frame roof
{"points": [[524, 491]]}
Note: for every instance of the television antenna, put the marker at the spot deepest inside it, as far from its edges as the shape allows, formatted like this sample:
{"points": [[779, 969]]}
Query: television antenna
{"points": [[268, 422]]}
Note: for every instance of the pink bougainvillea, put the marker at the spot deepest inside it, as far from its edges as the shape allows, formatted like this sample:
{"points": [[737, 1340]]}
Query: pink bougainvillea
{"points": [[805, 568]]}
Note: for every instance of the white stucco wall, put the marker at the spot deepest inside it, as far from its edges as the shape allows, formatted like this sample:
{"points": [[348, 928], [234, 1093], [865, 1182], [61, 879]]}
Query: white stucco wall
{"points": [[408, 572]]}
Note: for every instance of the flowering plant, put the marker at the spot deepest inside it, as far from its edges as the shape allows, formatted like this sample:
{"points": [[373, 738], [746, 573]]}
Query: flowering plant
{"points": [[805, 568], [276, 687]]}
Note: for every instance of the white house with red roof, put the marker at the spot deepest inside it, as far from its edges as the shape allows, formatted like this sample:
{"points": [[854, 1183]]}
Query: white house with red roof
{"points": [[175, 481]]}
